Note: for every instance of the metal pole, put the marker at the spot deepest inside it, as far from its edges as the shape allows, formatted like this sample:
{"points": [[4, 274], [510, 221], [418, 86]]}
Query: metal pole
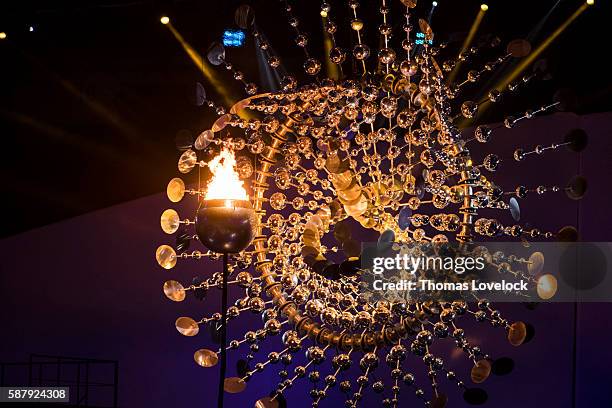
{"points": [[223, 332]]}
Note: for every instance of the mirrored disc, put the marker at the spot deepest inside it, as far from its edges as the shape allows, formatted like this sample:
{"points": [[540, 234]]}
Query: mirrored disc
{"points": [[576, 187], [547, 286], [204, 139], [480, 371], [244, 17], [515, 209], [206, 358], [577, 139], [409, 3], [266, 402], [536, 263], [174, 291], [187, 326], [200, 94], [216, 53], [165, 256], [221, 122], [568, 233], [234, 385], [170, 221], [518, 48], [175, 190], [426, 29], [517, 333], [438, 401], [187, 161], [404, 218]]}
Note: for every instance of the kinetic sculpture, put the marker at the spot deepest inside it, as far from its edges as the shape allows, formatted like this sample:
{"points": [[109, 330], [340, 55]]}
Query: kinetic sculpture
{"points": [[381, 147]]}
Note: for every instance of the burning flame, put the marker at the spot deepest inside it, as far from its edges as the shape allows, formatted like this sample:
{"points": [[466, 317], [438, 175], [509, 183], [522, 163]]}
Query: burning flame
{"points": [[225, 183]]}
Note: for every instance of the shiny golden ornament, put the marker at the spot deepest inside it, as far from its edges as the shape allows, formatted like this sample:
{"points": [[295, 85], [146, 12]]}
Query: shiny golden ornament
{"points": [[174, 291], [187, 326], [169, 221], [175, 190], [206, 358], [481, 371], [187, 161], [165, 256], [234, 385], [517, 333], [547, 286]]}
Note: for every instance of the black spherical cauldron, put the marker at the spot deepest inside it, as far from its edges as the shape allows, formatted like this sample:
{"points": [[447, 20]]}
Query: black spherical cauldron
{"points": [[226, 226]]}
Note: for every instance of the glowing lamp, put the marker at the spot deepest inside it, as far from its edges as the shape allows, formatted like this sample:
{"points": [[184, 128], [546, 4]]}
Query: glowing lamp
{"points": [[2, 35], [484, 7], [225, 220], [165, 20], [590, 2]]}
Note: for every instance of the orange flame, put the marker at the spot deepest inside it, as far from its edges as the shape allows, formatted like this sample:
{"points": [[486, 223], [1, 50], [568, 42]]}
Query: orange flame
{"points": [[225, 183]]}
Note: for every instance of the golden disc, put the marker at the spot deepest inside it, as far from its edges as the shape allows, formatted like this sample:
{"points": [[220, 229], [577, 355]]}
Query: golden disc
{"points": [[187, 161], [536, 263], [187, 326], [206, 358], [517, 333], [174, 291], [169, 221], [409, 3], [221, 123], [175, 190], [480, 371], [266, 402], [234, 385], [426, 29], [547, 286], [439, 401], [204, 139], [165, 256]]}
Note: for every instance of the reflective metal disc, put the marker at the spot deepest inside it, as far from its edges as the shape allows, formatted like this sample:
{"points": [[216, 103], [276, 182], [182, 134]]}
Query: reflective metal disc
{"points": [[480, 371], [536, 263], [175, 190], [234, 385], [187, 161], [515, 209], [438, 401], [547, 286], [206, 358], [518, 48], [187, 326], [165, 256], [517, 333], [169, 221], [221, 123], [204, 139], [174, 291], [409, 3], [266, 402], [426, 29]]}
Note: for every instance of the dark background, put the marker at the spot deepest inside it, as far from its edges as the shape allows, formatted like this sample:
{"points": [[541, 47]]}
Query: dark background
{"points": [[91, 101]]}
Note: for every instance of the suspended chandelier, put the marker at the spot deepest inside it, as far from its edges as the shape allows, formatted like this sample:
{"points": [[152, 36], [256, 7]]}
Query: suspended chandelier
{"points": [[377, 147]]}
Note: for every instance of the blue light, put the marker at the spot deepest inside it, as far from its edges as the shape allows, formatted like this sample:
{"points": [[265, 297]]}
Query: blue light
{"points": [[233, 38]]}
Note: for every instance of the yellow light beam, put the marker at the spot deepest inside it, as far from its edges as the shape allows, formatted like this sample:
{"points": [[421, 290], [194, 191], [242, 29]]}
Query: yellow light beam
{"points": [[468, 40], [536, 53], [202, 65], [485, 102]]}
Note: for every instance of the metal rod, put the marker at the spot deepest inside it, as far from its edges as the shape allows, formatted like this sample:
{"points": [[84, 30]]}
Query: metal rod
{"points": [[223, 332]]}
